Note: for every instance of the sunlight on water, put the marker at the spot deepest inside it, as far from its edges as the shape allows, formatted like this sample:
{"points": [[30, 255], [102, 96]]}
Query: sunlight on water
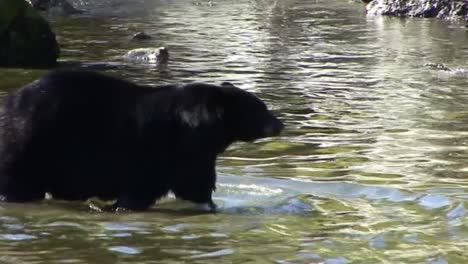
{"points": [[371, 168]]}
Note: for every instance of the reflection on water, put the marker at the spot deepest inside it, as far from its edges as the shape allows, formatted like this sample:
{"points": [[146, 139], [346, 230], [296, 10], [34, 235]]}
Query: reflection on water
{"points": [[371, 169]]}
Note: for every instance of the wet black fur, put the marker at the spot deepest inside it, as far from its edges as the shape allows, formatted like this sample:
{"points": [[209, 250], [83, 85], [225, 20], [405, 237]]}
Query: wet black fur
{"points": [[78, 134]]}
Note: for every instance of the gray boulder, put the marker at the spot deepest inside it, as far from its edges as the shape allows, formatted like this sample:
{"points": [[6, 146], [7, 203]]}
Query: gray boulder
{"points": [[157, 56]]}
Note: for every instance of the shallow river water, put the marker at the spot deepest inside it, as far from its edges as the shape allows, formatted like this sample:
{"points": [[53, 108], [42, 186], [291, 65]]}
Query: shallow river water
{"points": [[372, 168]]}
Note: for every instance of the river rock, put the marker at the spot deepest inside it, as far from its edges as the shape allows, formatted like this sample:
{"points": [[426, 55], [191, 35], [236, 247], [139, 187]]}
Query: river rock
{"points": [[446, 9], [26, 39], [149, 55]]}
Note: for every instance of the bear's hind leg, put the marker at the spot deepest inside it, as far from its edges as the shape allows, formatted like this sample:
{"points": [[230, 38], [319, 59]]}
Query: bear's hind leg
{"points": [[21, 191], [133, 202]]}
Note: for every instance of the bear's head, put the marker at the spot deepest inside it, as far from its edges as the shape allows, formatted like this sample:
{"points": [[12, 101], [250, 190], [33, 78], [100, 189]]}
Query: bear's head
{"points": [[246, 116], [243, 115]]}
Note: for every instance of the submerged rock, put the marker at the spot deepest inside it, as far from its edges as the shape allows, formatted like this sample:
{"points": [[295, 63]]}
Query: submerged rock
{"points": [[436, 66], [446, 9], [149, 55], [141, 36], [442, 67], [26, 39]]}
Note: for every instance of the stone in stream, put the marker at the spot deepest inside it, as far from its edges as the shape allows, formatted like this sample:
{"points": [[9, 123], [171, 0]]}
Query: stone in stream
{"points": [[148, 55]]}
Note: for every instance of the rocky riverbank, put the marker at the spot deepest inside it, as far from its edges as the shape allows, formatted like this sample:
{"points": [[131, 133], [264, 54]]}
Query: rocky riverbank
{"points": [[444, 9]]}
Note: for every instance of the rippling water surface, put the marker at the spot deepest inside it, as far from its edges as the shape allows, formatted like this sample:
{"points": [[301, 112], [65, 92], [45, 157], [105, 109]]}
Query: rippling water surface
{"points": [[372, 168]]}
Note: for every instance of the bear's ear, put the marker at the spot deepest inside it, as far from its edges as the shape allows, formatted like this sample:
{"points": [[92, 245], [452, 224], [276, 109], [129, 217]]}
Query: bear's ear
{"points": [[227, 84]]}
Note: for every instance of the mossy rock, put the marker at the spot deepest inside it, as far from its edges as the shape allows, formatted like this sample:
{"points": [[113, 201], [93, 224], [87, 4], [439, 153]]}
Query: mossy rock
{"points": [[26, 39], [9, 9]]}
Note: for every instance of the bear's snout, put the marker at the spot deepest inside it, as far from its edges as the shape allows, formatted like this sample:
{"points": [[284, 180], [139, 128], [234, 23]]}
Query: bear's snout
{"points": [[274, 128]]}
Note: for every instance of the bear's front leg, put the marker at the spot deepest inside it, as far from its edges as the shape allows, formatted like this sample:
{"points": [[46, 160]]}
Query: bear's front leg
{"points": [[196, 181], [201, 195], [18, 188], [208, 207]]}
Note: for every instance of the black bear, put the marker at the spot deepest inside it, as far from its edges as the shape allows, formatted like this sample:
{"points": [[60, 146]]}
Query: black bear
{"points": [[79, 134]]}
